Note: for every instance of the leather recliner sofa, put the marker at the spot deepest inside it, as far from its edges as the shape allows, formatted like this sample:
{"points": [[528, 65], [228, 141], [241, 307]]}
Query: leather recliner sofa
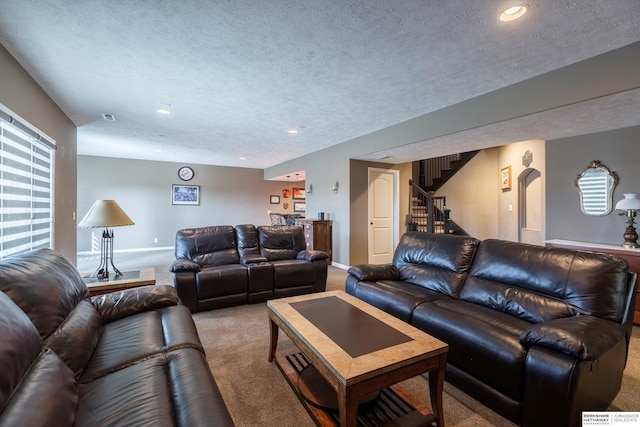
{"points": [[126, 358], [221, 266], [537, 334]]}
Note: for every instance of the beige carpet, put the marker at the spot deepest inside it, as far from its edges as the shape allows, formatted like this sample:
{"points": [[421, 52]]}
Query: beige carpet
{"points": [[237, 341]]}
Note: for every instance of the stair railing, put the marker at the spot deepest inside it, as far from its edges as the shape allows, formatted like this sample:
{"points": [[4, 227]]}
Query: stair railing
{"points": [[427, 213]]}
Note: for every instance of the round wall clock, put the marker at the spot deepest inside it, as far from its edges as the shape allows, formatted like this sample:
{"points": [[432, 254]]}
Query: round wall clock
{"points": [[185, 173]]}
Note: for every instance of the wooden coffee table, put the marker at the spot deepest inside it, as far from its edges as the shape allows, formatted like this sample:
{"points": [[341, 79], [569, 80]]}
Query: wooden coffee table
{"points": [[357, 348]]}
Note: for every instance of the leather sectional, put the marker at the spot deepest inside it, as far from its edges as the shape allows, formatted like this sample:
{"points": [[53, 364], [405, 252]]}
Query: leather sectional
{"points": [[221, 266], [537, 334], [126, 358]]}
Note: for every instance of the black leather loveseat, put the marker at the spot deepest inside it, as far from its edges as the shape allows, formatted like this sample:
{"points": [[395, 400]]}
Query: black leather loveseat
{"points": [[122, 359], [221, 266], [537, 334]]}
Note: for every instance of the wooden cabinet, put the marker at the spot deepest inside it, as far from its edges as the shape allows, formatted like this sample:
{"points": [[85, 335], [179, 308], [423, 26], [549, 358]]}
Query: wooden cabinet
{"points": [[632, 256], [317, 233]]}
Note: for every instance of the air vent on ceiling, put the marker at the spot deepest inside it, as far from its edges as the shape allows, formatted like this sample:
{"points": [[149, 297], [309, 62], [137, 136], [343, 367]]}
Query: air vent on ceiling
{"points": [[109, 117]]}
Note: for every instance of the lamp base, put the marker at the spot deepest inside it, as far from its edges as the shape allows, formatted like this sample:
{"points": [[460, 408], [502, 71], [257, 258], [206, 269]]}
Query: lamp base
{"points": [[106, 257], [630, 236]]}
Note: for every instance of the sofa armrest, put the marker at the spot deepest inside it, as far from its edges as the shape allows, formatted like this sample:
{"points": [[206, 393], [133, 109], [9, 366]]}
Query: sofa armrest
{"points": [[124, 303], [180, 265], [581, 337], [311, 255], [374, 272]]}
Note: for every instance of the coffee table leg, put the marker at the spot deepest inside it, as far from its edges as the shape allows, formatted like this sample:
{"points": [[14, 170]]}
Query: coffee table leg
{"points": [[274, 340], [348, 408], [436, 387]]}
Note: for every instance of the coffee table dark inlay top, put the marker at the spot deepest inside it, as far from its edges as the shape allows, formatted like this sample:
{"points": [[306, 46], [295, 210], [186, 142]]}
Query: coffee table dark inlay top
{"points": [[358, 348]]}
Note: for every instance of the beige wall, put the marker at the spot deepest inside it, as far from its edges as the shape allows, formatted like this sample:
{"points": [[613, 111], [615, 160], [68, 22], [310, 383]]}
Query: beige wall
{"points": [[21, 94]]}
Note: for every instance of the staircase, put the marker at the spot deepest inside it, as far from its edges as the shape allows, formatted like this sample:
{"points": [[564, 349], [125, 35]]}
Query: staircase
{"points": [[433, 173], [429, 213]]}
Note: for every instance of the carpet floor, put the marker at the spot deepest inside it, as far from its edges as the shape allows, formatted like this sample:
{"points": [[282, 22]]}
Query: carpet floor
{"points": [[236, 341]]}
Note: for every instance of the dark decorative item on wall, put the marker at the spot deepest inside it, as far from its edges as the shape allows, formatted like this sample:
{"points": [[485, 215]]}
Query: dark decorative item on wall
{"points": [[527, 159], [185, 173], [285, 205], [299, 206], [274, 200], [505, 178], [595, 185], [629, 207], [185, 194], [298, 193]]}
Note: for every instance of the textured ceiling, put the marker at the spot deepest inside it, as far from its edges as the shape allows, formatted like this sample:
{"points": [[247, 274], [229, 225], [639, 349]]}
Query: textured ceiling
{"points": [[239, 74]]}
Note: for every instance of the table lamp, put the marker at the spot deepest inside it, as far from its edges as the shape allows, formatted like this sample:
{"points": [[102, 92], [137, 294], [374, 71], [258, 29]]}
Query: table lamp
{"points": [[629, 205], [107, 214]]}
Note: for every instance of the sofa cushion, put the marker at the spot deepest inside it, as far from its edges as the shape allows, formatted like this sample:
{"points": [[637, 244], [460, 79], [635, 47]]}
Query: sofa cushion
{"points": [[395, 297], [482, 341], [538, 284], [36, 386], [177, 390], [215, 245], [439, 262], [222, 280], [293, 272], [279, 242], [45, 285], [131, 339]]}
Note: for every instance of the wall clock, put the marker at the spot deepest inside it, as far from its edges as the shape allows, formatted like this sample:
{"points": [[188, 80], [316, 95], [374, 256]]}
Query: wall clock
{"points": [[185, 173]]}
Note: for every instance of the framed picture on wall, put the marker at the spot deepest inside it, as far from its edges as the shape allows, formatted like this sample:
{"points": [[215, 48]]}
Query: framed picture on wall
{"points": [[274, 200], [185, 194], [299, 206], [299, 194], [505, 178]]}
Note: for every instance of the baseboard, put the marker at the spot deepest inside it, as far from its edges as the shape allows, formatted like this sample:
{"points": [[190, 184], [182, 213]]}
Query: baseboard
{"points": [[338, 265]]}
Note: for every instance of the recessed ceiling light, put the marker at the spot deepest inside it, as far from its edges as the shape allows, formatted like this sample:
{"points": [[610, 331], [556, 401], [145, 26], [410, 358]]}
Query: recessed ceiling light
{"points": [[164, 109], [513, 12], [242, 158], [158, 151], [293, 131]]}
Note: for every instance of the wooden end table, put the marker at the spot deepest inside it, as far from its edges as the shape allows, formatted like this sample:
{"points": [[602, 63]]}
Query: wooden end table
{"points": [[129, 279], [358, 348]]}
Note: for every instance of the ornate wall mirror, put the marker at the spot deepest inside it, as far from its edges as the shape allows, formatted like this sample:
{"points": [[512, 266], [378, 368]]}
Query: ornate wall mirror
{"points": [[595, 185]]}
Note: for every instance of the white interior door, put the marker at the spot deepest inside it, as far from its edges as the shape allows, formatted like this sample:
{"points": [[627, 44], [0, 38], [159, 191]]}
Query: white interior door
{"points": [[383, 215]]}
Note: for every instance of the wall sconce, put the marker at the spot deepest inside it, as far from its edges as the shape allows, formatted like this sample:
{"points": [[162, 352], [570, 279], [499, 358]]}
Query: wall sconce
{"points": [[310, 189], [629, 207], [335, 187]]}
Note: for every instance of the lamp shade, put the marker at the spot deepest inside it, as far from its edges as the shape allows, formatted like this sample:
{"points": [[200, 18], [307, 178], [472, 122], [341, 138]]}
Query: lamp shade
{"points": [[105, 213], [630, 202]]}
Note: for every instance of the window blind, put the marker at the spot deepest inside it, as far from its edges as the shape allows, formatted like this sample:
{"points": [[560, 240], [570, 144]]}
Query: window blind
{"points": [[26, 199]]}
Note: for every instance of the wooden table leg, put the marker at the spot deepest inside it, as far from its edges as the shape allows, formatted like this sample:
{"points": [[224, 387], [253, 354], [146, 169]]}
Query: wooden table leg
{"points": [[348, 407], [274, 340], [436, 388]]}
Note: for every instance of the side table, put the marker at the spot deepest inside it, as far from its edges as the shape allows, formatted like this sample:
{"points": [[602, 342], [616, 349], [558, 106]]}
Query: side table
{"points": [[129, 279]]}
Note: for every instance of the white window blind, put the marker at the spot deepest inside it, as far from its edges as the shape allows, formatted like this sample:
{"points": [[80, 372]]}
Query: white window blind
{"points": [[26, 187]]}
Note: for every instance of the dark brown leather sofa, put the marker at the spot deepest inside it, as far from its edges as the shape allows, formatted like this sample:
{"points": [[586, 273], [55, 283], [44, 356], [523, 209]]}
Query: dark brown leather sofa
{"points": [[221, 266], [121, 359], [537, 334]]}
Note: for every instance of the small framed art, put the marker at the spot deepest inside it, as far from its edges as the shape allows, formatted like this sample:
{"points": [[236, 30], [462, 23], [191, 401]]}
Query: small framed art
{"points": [[299, 194], [299, 206], [274, 200], [185, 194], [505, 178]]}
